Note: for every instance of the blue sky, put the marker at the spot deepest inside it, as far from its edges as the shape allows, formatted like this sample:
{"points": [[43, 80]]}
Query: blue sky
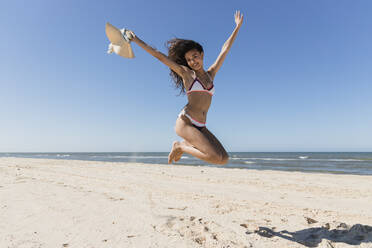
{"points": [[298, 77]]}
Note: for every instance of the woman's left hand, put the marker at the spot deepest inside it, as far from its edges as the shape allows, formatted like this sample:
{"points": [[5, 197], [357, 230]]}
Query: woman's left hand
{"points": [[238, 18]]}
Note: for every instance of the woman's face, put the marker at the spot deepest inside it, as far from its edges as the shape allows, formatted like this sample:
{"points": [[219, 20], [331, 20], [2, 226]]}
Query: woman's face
{"points": [[194, 59]]}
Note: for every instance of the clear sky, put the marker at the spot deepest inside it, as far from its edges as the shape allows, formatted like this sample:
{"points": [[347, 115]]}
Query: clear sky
{"points": [[297, 78]]}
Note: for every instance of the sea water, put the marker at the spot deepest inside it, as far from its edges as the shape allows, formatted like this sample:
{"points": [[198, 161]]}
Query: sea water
{"points": [[324, 162]]}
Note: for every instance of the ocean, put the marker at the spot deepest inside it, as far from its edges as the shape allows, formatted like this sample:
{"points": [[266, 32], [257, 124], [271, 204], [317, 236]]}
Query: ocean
{"points": [[359, 163]]}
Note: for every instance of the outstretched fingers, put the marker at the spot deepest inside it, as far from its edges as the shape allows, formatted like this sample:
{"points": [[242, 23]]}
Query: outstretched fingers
{"points": [[238, 18]]}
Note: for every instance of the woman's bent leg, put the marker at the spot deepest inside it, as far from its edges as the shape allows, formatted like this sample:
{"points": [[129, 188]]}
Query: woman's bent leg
{"points": [[199, 144], [179, 148], [217, 144]]}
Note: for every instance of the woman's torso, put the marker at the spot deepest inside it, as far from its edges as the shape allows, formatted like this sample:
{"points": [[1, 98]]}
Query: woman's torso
{"points": [[198, 102]]}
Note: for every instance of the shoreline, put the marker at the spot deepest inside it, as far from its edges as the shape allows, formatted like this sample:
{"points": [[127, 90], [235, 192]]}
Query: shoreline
{"points": [[112, 204], [248, 163]]}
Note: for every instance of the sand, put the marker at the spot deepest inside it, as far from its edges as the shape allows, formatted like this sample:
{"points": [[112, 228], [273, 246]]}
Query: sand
{"points": [[69, 203]]}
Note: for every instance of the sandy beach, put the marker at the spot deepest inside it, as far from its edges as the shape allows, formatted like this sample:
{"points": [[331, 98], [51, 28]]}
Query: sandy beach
{"points": [[70, 203]]}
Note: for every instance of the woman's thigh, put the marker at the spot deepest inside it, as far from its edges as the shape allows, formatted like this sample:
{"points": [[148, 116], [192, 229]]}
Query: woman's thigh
{"points": [[196, 138], [216, 143]]}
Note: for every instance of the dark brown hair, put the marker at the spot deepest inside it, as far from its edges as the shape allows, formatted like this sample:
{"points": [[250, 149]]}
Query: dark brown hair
{"points": [[177, 48]]}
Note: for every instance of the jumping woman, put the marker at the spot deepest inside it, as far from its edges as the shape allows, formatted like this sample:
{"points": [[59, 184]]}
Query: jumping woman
{"points": [[185, 60]]}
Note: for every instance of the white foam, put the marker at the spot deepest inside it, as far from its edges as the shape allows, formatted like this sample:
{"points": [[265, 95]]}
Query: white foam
{"points": [[136, 156], [63, 155], [274, 159]]}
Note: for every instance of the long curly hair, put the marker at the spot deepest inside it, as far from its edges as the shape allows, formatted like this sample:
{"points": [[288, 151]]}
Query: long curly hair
{"points": [[177, 48]]}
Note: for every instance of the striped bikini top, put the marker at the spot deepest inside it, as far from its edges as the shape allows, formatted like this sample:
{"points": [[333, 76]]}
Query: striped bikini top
{"points": [[197, 86]]}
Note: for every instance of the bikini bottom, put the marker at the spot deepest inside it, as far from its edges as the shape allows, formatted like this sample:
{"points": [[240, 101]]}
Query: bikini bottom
{"points": [[195, 123]]}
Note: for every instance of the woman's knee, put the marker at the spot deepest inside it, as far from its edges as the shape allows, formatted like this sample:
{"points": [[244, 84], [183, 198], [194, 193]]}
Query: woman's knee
{"points": [[222, 159]]}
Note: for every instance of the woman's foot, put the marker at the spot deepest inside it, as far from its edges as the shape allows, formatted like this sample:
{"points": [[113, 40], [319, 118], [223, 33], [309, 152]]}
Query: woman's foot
{"points": [[176, 152], [178, 156]]}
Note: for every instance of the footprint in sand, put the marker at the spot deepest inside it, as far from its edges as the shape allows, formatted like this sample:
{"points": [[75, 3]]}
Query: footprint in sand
{"points": [[200, 230]]}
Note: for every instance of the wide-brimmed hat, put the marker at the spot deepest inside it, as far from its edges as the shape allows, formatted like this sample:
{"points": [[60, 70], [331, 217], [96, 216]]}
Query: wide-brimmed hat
{"points": [[120, 42]]}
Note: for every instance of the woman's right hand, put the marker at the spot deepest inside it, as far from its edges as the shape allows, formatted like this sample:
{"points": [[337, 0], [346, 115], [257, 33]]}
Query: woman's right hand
{"points": [[130, 34]]}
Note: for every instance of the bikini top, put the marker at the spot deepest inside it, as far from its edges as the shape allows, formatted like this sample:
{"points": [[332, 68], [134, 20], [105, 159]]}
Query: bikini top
{"points": [[197, 86]]}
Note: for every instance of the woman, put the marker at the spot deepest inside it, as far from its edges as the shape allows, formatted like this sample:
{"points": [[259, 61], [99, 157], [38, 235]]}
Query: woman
{"points": [[185, 59]]}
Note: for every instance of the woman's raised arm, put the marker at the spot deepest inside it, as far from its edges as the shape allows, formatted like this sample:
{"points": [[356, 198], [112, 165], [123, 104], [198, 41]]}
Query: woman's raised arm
{"points": [[160, 56], [226, 47]]}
